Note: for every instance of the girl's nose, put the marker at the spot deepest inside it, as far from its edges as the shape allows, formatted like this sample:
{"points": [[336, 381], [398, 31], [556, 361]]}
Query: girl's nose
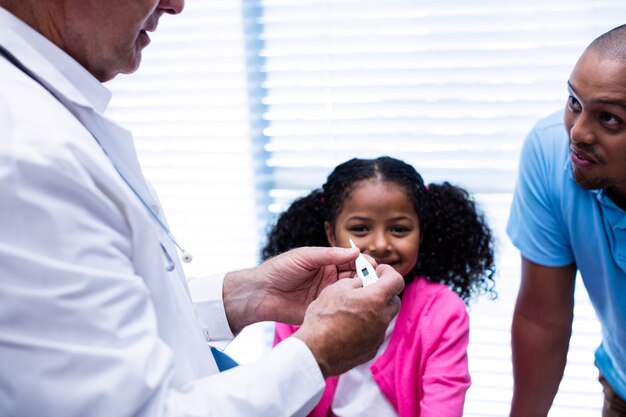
{"points": [[379, 243]]}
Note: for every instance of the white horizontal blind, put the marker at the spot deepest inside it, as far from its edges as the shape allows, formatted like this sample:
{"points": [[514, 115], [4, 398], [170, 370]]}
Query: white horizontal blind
{"points": [[448, 85], [451, 87], [188, 109]]}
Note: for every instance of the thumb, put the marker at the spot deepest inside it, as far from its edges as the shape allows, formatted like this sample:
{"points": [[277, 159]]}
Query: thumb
{"points": [[320, 256], [342, 256]]}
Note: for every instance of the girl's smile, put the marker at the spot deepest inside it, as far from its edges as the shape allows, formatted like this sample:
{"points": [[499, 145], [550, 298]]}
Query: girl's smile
{"points": [[382, 222]]}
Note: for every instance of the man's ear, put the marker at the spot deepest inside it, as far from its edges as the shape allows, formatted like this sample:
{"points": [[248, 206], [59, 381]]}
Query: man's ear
{"points": [[330, 234]]}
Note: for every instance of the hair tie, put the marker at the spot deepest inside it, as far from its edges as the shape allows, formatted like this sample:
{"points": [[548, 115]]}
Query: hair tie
{"points": [[322, 200]]}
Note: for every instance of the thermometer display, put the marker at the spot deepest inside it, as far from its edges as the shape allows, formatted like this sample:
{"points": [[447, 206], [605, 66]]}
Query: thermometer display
{"points": [[364, 269]]}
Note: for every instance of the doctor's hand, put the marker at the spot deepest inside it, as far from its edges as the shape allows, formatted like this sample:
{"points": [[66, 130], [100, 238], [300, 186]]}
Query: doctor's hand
{"points": [[346, 324], [281, 288]]}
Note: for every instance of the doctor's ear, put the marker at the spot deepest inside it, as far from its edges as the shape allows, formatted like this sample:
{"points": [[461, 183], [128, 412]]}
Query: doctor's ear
{"points": [[330, 233]]}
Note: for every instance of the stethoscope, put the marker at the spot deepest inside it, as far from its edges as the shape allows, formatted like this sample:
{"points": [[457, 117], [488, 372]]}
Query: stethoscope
{"points": [[185, 256]]}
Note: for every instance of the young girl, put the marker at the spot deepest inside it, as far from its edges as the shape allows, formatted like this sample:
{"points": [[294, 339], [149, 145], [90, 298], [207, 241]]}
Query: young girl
{"points": [[434, 236]]}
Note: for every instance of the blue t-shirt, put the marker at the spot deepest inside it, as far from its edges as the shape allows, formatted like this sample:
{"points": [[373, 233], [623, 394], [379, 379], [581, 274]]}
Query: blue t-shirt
{"points": [[555, 222]]}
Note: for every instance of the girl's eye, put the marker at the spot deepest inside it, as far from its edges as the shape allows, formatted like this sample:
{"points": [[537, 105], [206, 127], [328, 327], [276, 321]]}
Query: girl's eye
{"points": [[399, 229], [358, 229]]}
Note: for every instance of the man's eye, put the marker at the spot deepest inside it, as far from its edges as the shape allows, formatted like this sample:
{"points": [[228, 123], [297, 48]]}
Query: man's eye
{"points": [[573, 103], [610, 120]]}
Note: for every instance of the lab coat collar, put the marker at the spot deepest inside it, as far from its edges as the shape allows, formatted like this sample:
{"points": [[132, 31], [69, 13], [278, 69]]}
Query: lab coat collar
{"points": [[78, 91], [52, 64]]}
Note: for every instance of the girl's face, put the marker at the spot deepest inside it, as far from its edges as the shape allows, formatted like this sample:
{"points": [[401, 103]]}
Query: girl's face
{"points": [[382, 222]]}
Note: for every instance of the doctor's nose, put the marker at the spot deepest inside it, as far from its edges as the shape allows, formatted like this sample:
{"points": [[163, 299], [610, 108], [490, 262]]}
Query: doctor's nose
{"points": [[171, 6]]}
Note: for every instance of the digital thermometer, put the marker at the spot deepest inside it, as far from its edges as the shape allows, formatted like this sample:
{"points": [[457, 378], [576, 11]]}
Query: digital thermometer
{"points": [[364, 269]]}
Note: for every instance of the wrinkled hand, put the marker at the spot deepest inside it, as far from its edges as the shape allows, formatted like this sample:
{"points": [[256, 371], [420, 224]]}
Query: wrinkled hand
{"points": [[296, 278], [282, 288], [346, 324]]}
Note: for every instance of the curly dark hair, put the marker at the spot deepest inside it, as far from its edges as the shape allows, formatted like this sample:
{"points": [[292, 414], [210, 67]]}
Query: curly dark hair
{"points": [[457, 249]]}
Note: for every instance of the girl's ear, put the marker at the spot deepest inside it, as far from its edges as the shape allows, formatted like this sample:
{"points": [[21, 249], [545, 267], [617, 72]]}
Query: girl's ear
{"points": [[330, 234]]}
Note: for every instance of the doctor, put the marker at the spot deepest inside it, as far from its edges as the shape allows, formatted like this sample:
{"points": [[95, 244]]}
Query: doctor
{"points": [[96, 316]]}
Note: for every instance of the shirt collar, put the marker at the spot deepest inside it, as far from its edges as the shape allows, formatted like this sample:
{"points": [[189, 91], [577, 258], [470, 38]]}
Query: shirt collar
{"points": [[52, 64]]}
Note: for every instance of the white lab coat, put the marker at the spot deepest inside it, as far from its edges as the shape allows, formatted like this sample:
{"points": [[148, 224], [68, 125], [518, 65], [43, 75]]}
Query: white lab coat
{"points": [[91, 321]]}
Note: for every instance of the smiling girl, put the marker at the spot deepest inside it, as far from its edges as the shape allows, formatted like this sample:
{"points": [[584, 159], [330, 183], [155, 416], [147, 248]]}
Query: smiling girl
{"points": [[436, 238]]}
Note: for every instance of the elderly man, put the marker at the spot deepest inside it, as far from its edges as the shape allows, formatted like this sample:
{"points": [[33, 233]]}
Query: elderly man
{"points": [[96, 316], [568, 214]]}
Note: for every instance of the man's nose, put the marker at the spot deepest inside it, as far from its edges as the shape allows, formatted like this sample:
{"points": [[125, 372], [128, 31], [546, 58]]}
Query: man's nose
{"points": [[582, 130]]}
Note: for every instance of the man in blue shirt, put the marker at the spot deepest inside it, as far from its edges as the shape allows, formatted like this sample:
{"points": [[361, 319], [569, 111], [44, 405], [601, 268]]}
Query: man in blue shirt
{"points": [[568, 214]]}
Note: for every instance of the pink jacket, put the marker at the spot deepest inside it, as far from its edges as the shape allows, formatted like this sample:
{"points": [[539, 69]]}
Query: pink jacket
{"points": [[423, 372]]}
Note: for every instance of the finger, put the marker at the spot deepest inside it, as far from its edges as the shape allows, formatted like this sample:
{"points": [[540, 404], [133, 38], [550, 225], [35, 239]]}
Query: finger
{"points": [[371, 260], [350, 282], [390, 282], [316, 257], [348, 273]]}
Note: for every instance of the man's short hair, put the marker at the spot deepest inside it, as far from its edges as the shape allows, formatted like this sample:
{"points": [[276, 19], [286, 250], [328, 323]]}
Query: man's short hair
{"points": [[611, 45]]}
